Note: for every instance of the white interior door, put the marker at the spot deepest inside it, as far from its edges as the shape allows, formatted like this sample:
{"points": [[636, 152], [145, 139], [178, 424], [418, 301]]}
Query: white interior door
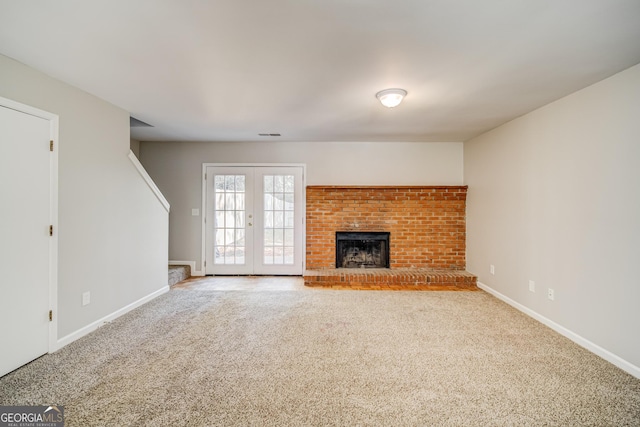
{"points": [[254, 220], [24, 237]]}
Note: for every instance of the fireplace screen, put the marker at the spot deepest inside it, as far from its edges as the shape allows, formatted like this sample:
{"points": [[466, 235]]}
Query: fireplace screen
{"points": [[362, 249]]}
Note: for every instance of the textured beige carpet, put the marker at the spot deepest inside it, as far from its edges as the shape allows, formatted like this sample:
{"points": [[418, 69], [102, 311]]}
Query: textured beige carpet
{"points": [[322, 357]]}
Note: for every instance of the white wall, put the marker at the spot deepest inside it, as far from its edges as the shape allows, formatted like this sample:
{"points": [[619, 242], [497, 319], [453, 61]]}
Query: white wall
{"points": [[554, 197], [112, 230], [176, 167]]}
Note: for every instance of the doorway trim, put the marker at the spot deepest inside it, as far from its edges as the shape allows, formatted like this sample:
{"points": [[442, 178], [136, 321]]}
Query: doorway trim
{"points": [[53, 210], [203, 210]]}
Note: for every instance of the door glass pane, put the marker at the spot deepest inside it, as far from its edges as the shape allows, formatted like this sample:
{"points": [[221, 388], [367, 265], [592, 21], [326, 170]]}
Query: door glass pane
{"points": [[240, 237], [278, 219], [219, 220], [239, 255], [230, 202], [230, 183], [240, 201], [268, 202], [288, 219], [278, 236], [288, 202], [219, 183], [239, 220], [288, 237], [229, 217], [268, 219], [278, 202], [268, 184], [278, 183], [288, 184], [240, 180], [230, 237], [219, 237], [288, 254], [278, 255], [220, 201], [230, 220], [268, 237]]}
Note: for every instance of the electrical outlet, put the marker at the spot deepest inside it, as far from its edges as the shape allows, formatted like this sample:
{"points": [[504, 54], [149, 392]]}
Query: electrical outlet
{"points": [[492, 269], [550, 294], [532, 286], [86, 298], [195, 212]]}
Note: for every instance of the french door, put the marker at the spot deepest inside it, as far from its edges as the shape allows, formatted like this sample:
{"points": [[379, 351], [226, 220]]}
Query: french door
{"points": [[254, 220]]}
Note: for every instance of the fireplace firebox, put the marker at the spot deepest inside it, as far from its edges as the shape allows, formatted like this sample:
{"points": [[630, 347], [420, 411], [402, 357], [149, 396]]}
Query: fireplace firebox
{"points": [[369, 249]]}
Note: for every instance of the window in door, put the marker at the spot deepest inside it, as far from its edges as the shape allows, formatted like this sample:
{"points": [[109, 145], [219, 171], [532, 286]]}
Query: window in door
{"points": [[254, 220]]}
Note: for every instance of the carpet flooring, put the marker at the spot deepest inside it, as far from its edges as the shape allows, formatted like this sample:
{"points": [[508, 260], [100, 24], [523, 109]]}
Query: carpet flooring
{"points": [[326, 358]]}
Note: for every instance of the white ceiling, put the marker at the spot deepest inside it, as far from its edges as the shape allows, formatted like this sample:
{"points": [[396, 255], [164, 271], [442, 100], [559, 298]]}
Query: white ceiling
{"points": [[226, 70]]}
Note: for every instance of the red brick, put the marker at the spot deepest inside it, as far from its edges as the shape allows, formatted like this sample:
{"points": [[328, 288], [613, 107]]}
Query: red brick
{"points": [[427, 224]]}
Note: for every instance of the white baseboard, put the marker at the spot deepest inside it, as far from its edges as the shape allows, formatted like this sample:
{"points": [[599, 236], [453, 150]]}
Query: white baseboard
{"points": [[191, 264], [100, 322], [583, 342]]}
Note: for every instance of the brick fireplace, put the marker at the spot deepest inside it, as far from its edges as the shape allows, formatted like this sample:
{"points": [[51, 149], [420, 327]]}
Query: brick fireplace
{"points": [[427, 235]]}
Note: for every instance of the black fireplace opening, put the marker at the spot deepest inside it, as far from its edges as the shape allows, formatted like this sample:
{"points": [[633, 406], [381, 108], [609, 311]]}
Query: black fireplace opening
{"points": [[367, 249]]}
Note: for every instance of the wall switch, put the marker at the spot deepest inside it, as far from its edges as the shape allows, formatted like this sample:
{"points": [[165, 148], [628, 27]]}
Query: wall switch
{"points": [[86, 298], [195, 212], [492, 269], [532, 286], [551, 294]]}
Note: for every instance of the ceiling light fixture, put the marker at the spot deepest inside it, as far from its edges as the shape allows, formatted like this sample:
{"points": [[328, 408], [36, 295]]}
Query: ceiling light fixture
{"points": [[391, 97]]}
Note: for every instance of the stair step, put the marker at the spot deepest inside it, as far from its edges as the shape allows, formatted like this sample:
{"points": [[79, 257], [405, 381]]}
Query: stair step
{"points": [[178, 273]]}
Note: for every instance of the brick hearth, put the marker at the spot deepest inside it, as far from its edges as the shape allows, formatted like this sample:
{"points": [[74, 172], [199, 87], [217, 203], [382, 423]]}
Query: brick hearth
{"points": [[417, 279], [427, 244]]}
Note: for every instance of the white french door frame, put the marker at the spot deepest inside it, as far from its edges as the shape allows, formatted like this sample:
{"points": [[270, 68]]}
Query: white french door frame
{"points": [[53, 119], [303, 204]]}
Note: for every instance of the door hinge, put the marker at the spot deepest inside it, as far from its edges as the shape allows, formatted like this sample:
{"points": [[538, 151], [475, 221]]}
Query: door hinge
{"points": [[51, 145], [50, 315], [205, 176], [205, 263], [51, 230]]}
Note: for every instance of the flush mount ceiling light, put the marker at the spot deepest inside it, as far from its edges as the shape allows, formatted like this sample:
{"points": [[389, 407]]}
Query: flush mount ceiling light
{"points": [[391, 97]]}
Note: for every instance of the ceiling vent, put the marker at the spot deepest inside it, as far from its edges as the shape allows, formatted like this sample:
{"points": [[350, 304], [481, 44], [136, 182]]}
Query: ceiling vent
{"points": [[269, 134], [135, 123]]}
